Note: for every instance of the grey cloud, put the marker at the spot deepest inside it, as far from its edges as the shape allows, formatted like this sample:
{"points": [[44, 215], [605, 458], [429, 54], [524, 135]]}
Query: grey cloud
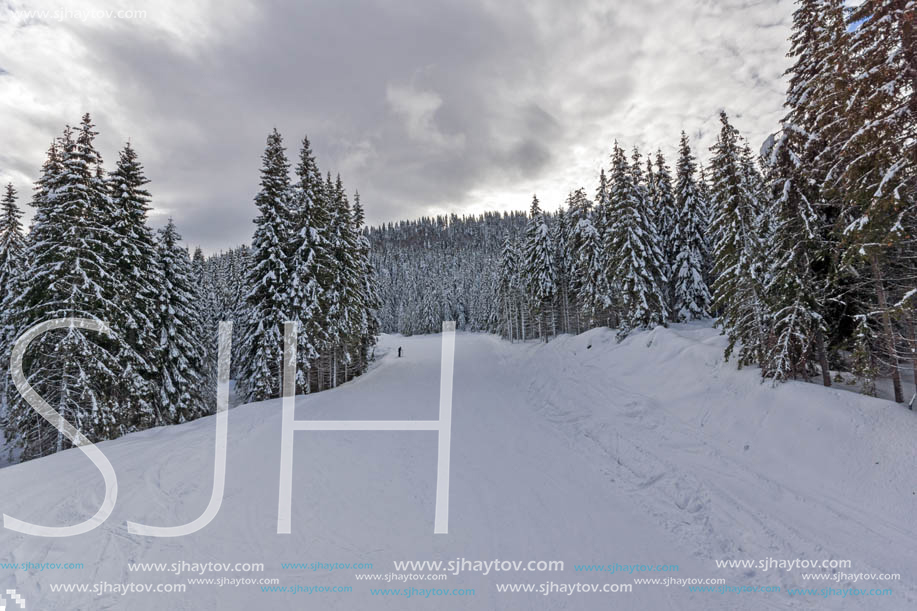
{"points": [[420, 106]]}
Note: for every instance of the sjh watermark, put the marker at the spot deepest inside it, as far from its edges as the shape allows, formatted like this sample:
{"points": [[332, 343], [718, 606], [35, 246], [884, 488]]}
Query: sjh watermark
{"points": [[84, 15], [443, 427]]}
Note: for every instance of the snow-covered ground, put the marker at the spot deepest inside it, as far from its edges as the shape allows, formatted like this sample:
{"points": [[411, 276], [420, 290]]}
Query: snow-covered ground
{"points": [[652, 451]]}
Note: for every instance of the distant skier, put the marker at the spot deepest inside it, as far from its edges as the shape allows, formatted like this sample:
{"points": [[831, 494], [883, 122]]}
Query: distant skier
{"points": [[399, 352]]}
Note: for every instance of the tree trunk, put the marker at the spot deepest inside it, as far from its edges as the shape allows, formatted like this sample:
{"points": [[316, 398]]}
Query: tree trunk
{"points": [[822, 357], [887, 328], [912, 330]]}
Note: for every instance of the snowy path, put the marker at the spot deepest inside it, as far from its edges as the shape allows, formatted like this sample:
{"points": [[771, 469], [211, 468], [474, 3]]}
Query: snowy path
{"points": [[647, 452]]}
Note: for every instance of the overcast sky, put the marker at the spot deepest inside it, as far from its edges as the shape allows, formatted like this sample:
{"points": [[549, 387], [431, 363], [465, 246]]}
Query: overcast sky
{"points": [[424, 106]]}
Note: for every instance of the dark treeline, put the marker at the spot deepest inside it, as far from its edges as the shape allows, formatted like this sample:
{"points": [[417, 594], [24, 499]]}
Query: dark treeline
{"points": [[442, 268]]}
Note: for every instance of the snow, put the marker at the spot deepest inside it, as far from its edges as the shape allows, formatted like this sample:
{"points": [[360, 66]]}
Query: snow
{"points": [[586, 450]]}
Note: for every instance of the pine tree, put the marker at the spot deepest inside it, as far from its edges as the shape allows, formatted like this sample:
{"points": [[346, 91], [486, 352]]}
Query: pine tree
{"points": [[344, 311], [637, 263], [211, 313], [603, 304], [803, 249], [311, 265], [708, 208], [563, 264], [665, 215], [368, 292], [508, 291], [794, 299], [737, 254], [12, 263], [876, 165], [690, 294], [135, 253], [589, 270], [180, 351], [12, 240], [538, 263], [268, 277], [72, 272]]}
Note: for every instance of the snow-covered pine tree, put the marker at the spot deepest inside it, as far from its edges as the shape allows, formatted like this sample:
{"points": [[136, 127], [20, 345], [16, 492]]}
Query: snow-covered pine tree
{"points": [[665, 215], [368, 290], [794, 299], [142, 285], [206, 296], [12, 240], [877, 161], [589, 270], [268, 278], [344, 312], [602, 220], [538, 263], [649, 194], [12, 262], [637, 262], [562, 267], [311, 265], [233, 272], [708, 208], [180, 355], [579, 223], [738, 256], [508, 292], [803, 251], [690, 294], [818, 95], [72, 272], [618, 190], [757, 187]]}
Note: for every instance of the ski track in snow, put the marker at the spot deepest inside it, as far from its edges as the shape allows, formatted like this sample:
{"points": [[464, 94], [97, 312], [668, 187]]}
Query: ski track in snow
{"points": [[651, 451]]}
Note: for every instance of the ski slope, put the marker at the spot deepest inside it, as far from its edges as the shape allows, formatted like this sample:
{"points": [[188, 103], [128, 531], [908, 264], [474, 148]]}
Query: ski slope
{"points": [[651, 451]]}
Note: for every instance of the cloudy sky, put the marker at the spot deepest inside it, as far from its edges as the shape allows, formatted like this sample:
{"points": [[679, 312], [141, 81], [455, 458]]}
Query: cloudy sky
{"points": [[424, 106]]}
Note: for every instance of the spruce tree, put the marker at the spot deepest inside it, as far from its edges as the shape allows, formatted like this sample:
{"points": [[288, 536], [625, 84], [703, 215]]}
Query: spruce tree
{"points": [[12, 263], [12, 240], [803, 251], [311, 266], [72, 272], [344, 309], [368, 291], [589, 270], [563, 264], [792, 295], [604, 299], [738, 252], [690, 294], [508, 291], [665, 215], [637, 263], [180, 354], [268, 276], [538, 263], [207, 298], [135, 257], [876, 166]]}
